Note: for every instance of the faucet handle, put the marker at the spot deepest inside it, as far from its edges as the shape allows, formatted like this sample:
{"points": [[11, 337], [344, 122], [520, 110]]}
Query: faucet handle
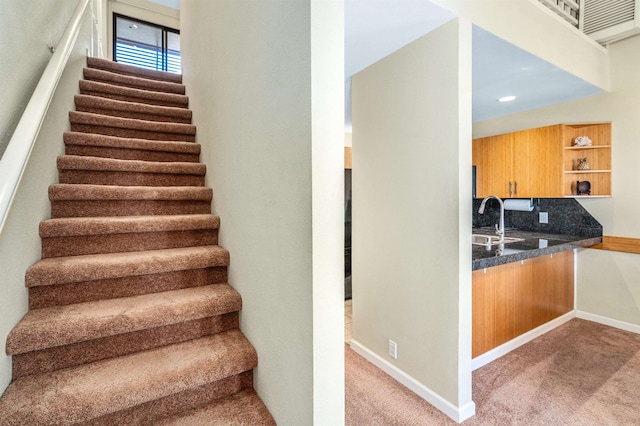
{"points": [[498, 229]]}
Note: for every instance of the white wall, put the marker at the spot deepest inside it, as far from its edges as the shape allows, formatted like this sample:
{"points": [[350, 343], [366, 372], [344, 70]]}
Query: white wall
{"points": [[20, 244], [411, 257], [265, 81], [27, 29], [608, 283]]}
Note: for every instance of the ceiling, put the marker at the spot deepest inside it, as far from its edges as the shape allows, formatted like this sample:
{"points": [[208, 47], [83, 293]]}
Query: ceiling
{"points": [[376, 28], [502, 69]]}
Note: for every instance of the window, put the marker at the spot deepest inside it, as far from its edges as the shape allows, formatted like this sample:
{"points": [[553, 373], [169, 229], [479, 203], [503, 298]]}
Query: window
{"points": [[146, 45]]}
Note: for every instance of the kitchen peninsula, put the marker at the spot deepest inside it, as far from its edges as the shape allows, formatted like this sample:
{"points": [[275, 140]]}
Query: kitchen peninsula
{"points": [[533, 244], [522, 287]]}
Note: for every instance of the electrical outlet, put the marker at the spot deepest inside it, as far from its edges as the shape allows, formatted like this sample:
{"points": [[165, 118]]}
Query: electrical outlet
{"points": [[544, 217], [393, 349]]}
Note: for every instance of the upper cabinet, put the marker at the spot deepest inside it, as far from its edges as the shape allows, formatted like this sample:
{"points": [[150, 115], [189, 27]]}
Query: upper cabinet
{"points": [[347, 157], [493, 159], [543, 162], [521, 164]]}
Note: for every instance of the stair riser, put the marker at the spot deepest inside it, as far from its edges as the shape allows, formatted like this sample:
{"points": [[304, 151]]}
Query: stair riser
{"points": [[120, 243], [131, 133], [135, 115], [57, 358], [130, 154], [134, 71], [87, 291], [117, 79], [80, 208], [181, 402], [149, 101], [122, 178]]}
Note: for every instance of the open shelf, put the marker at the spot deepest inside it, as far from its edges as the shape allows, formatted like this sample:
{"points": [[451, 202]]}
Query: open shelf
{"points": [[598, 155], [587, 196], [587, 147]]}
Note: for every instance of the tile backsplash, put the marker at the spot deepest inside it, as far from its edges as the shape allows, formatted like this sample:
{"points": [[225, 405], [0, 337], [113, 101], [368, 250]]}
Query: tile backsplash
{"points": [[566, 216]]}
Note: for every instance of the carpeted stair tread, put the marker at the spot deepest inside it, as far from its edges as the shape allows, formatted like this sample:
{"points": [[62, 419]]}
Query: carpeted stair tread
{"points": [[117, 126], [109, 77], [76, 162], [140, 148], [82, 393], [45, 296], [62, 270], [81, 226], [105, 64], [240, 409], [64, 325], [76, 354], [64, 191], [99, 105], [110, 234], [179, 403], [122, 93]]}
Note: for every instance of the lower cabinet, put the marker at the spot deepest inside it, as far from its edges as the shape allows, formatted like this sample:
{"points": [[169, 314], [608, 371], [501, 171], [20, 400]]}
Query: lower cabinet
{"points": [[511, 299]]}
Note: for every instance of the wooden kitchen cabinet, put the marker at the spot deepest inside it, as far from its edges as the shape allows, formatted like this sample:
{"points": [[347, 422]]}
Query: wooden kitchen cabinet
{"points": [[492, 157], [512, 299], [525, 164], [347, 157], [537, 168]]}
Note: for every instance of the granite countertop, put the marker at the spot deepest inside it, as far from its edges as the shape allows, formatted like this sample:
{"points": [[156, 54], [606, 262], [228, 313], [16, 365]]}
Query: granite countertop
{"points": [[534, 244]]}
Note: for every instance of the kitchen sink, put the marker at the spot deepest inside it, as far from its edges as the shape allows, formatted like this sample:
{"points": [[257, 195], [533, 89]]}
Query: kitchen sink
{"points": [[488, 240]]}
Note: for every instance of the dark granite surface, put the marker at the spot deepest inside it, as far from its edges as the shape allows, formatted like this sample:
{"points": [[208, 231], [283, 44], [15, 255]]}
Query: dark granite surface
{"points": [[534, 244], [566, 216], [570, 226]]}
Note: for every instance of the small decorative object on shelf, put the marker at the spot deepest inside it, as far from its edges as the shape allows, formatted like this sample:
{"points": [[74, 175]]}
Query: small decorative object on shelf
{"points": [[583, 188], [583, 164], [582, 141]]}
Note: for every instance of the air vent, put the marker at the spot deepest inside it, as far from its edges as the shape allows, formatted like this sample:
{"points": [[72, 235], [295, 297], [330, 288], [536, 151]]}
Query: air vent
{"points": [[602, 14], [609, 20]]}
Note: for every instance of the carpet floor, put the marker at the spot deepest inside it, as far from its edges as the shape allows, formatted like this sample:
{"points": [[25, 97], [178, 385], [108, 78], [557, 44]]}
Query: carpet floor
{"points": [[581, 373]]}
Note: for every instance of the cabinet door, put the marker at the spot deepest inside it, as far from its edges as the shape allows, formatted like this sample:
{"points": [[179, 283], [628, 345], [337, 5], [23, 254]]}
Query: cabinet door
{"points": [[537, 163], [493, 160], [512, 299], [483, 312], [553, 286]]}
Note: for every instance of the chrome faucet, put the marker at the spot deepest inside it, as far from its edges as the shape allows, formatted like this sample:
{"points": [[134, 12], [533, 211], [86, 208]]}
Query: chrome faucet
{"points": [[500, 228]]}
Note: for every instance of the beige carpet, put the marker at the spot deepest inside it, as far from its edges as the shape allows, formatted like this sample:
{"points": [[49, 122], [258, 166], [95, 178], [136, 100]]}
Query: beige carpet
{"points": [[581, 373]]}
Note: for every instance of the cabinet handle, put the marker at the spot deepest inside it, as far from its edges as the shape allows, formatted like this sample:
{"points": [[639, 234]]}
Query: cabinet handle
{"points": [[509, 188], [515, 185]]}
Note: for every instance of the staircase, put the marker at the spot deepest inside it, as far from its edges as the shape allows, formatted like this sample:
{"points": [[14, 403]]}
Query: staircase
{"points": [[131, 320]]}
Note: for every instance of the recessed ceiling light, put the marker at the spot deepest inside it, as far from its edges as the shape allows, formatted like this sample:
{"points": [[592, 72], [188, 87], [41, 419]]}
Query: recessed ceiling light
{"points": [[506, 99], [133, 26]]}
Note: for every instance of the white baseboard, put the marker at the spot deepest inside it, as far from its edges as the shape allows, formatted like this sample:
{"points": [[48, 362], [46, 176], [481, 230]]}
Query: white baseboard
{"points": [[627, 326], [512, 344], [458, 414]]}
